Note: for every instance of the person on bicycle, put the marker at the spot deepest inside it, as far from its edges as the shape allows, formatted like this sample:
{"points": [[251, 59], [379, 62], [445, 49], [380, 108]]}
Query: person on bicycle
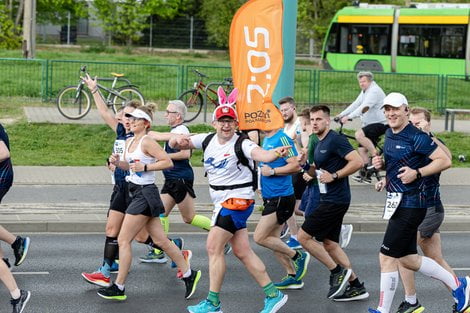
{"points": [[367, 106]]}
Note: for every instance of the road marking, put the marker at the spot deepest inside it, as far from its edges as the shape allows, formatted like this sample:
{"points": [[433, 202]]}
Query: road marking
{"points": [[30, 273], [461, 269]]}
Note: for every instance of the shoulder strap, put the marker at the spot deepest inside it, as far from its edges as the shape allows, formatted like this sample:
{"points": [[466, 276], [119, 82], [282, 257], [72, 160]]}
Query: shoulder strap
{"points": [[206, 141], [243, 160]]}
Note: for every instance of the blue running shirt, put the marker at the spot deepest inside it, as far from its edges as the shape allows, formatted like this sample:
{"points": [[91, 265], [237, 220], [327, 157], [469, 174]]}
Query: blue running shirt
{"points": [[411, 147], [277, 186], [181, 168], [6, 169], [329, 155], [119, 148]]}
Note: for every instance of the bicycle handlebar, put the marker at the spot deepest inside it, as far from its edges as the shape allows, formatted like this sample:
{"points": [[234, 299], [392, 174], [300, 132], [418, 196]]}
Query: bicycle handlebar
{"points": [[200, 74]]}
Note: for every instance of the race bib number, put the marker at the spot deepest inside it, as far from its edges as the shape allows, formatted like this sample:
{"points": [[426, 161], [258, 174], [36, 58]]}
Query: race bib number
{"points": [[119, 146], [392, 203]]}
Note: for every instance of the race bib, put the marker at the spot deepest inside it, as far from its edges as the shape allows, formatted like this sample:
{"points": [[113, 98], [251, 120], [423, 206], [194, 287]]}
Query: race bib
{"points": [[392, 203], [119, 146]]}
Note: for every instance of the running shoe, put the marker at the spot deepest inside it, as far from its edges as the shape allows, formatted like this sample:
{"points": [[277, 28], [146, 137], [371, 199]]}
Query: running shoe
{"points": [[338, 282], [114, 267], [272, 305], [97, 278], [7, 262], [406, 307], [346, 233], [191, 283], [357, 178], [462, 294], [112, 293], [354, 293], [179, 242], [289, 282], [293, 244], [227, 248], [20, 249], [373, 311], [284, 231], [154, 256], [20, 303], [187, 254], [301, 265], [205, 306]]}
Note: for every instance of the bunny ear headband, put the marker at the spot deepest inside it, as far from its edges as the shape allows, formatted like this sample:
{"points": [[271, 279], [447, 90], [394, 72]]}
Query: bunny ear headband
{"points": [[224, 100]]}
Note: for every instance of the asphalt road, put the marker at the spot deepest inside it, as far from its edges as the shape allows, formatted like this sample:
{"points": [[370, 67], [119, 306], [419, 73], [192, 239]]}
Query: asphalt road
{"points": [[52, 272], [455, 195]]}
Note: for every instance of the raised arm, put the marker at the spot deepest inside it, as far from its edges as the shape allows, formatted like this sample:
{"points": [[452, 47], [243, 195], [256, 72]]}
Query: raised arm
{"points": [[105, 114]]}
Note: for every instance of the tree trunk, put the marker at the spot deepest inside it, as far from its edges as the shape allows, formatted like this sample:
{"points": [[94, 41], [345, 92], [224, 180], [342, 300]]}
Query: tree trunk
{"points": [[19, 14]]}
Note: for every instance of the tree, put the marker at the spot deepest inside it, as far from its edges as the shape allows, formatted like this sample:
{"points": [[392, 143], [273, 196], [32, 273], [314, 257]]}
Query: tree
{"points": [[57, 11], [9, 37]]}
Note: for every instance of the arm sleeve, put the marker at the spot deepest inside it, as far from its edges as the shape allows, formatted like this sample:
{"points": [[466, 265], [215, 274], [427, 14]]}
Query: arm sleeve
{"points": [[352, 107]]}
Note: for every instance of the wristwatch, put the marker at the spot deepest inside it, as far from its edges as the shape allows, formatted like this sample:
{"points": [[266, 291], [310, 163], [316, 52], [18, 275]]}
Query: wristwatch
{"points": [[272, 172], [335, 176], [418, 174]]}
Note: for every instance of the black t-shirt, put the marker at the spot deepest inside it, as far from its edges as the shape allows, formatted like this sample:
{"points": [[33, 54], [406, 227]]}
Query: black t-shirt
{"points": [[6, 169]]}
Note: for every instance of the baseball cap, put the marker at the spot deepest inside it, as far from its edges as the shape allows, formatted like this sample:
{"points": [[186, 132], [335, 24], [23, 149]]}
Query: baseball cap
{"points": [[395, 99], [137, 113], [224, 110]]}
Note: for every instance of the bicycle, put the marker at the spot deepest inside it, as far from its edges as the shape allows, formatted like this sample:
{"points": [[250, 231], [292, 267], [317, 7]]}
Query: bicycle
{"points": [[194, 100], [74, 102], [370, 169]]}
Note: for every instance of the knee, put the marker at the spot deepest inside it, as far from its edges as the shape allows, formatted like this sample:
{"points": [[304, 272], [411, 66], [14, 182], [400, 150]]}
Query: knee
{"points": [[241, 252], [330, 246], [303, 237], [359, 134], [140, 239], [112, 230], [123, 242], [259, 238], [212, 249], [187, 219]]}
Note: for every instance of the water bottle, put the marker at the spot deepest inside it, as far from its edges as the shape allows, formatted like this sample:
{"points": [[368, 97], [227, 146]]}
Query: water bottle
{"points": [[136, 161]]}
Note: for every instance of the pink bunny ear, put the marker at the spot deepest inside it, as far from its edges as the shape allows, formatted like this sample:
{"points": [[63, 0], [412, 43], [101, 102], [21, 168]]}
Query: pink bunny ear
{"points": [[222, 96], [232, 98]]}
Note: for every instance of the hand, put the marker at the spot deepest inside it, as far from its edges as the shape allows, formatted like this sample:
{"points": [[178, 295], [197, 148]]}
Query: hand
{"points": [[114, 159], [266, 170], [424, 126], [136, 167], [344, 119], [282, 151], [378, 162], [407, 175], [380, 185], [307, 177], [111, 167], [325, 177], [302, 157], [180, 140], [90, 82]]}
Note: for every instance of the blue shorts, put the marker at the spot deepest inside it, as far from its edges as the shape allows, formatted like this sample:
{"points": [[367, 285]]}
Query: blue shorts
{"points": [[310, 199], [233, 220]]}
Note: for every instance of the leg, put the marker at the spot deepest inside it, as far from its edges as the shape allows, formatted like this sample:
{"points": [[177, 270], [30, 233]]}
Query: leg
{"points": [[338, 255], [367, 144], [432, 248], [316, 249], [6, 236], [168, 203]]}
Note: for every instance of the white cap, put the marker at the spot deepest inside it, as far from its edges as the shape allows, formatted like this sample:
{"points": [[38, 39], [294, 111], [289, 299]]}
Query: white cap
{"points": [[395, 99], [137, 113]]}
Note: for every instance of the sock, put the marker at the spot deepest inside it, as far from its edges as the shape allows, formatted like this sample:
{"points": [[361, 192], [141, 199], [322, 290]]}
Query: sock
{"points": [[187, 274], [15, 294], [388, 286], [291, 275], [355, 283], [294, 236], [336, 270], [121, 287], [213, 297], [411, 299], [270, 290], [202, 222], [430, 268], [296, 256], [110, 248], [165, 223]]}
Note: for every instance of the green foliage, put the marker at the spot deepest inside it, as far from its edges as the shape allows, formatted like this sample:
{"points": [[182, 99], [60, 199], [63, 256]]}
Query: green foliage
{"points": [[9, 37], [218, 16], [56, 11]]}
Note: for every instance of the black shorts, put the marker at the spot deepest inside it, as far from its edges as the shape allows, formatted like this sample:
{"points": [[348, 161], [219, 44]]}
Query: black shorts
{"points": [[145, 200], [299, 184], [120, 198], [402, 231], [374, 131], [3, 192], [325, 222], [178, 188], [282, 206]]}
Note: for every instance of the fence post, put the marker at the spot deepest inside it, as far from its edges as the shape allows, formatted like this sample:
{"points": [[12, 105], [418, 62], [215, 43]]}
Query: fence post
{"points": [[44, 80]]}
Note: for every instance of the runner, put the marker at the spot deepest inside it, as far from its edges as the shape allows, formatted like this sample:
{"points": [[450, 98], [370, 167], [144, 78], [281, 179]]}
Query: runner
{"points": [[232, 191], [407, 153], [279, 201], [334, 160], [143, 156], [429, 238], [20, 245]]}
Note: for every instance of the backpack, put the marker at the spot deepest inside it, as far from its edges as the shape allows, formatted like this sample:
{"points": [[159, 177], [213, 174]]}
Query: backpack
{"points": [[242, 159]]}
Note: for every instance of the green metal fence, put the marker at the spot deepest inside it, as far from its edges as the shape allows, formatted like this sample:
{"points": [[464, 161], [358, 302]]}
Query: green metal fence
{"points": [[160, 82]]}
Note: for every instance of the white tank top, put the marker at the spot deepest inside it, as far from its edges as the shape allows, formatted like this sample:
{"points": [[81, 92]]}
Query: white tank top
{"points": [[140, 178]]}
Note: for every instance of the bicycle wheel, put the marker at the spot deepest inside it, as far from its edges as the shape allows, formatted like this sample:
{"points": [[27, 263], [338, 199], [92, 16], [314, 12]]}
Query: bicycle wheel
{"points": [[126, 94], [193, 100], [73, 104]]}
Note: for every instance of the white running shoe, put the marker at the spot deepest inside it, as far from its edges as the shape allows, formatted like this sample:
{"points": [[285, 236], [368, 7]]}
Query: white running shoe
{"points": [[346, 233]]}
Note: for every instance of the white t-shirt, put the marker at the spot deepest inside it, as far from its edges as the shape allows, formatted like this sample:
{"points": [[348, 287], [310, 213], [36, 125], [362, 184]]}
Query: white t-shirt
{"points": [[220, 164]]}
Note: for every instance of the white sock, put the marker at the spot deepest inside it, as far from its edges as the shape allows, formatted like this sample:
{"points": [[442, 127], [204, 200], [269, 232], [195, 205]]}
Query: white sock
{"points": [[388, 286], [121, 287], [294, 236], [432, 269], [411, 299], [15, 294], [187, 274]]}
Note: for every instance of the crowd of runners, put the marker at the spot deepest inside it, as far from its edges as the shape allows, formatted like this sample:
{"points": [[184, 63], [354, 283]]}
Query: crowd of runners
{"points": [[299, 170]]}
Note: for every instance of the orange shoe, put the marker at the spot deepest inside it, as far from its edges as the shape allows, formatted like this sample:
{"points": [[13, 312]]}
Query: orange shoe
{"points": [[97, 278]]}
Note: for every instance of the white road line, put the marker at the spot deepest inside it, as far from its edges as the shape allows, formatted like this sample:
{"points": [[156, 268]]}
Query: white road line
{"points": [[30, 273], [461, 269]]}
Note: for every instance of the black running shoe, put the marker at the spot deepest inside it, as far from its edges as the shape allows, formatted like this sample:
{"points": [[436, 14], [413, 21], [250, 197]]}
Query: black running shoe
{"points": [[191, 283], [20, 303], [406, 307], [352, 294], [112, 293], [338, 282], [20, 248]]}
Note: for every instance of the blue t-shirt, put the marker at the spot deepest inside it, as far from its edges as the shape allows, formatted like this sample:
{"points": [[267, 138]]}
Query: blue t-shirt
{"points": [[277, 186], [181, 168], [329, 155], [6, 169], [431, 188], [410, 147], [119, 147]]}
